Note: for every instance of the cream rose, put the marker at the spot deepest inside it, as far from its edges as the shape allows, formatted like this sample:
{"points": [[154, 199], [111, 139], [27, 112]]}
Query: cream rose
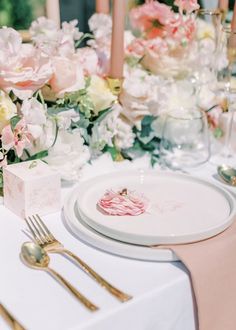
{"points": [[100, 94], [7, 110]]}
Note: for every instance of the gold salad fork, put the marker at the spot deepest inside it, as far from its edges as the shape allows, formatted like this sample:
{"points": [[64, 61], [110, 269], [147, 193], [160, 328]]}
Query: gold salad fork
{"points": [[44, 238], [10, 319]]}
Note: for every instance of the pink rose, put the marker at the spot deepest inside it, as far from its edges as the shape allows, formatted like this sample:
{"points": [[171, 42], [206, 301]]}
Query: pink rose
{"points": [[151, 18], [23, 69], [18, 139], [187, 6], [68, 75]]}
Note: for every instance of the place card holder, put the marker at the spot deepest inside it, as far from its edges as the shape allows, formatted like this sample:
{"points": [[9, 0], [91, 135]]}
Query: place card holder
{"points": [[31, 187]]}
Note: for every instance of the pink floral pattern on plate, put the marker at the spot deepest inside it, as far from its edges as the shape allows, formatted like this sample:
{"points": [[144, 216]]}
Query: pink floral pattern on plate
{"points": [[123, 202]]}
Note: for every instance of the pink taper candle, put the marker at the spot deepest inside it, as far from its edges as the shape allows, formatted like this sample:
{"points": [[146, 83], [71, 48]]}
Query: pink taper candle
{"points": [[102, 6], [224, 5], [117, 42], [53, 11], [233, 23]]}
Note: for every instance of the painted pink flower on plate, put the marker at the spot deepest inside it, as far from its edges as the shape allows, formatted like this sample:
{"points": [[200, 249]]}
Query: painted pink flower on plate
{"points": [[123, 203]]}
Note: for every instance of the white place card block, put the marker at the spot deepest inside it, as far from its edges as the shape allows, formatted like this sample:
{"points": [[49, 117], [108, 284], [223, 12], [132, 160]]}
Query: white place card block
{"points": [[31, 187]]}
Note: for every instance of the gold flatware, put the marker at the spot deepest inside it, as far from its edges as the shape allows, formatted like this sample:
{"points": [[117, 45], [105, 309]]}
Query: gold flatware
{"points": [[36, 257], [10, 319], [45, 239], [227, 174]]}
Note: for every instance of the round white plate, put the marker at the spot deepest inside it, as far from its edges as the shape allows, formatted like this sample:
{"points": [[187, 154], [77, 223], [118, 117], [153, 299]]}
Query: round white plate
{"points": [[99, 241], [182, 208]]}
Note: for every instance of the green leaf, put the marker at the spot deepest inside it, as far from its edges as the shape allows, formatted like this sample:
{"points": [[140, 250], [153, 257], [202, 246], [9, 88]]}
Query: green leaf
{"points": [[102, 115], [39, 155], [85, 36], [135, 151], [115, 153], [146, 127], [13, 121], [87, 82], [53, 111], [155, 159], [133, 61], [218, 133], [146, 139], [55, 138], [85, 135]]}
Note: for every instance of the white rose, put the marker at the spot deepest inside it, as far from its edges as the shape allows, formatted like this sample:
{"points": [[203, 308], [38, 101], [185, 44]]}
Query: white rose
{"points": [[168, 66], [46, 139], [68, 155], [65, 118], [34, 114], [100, 24], [100, 94], [140, 96], [177, 95], [7, 110], [113, 130]]}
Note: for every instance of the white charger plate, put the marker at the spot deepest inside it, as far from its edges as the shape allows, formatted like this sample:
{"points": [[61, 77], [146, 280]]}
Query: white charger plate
{"points": [[183, 209], [89, 236]]}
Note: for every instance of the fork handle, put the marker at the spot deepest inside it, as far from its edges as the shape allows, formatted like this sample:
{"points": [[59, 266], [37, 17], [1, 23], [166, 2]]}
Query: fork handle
{"points": [[73, 290], [13, 323], [99, 279]]}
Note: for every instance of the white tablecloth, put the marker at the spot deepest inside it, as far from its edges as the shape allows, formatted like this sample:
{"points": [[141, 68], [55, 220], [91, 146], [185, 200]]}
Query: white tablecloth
{"points": [[162, 292]]}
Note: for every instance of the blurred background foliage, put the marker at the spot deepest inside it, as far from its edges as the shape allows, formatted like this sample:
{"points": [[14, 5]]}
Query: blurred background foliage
{"points": [[20, 13]]}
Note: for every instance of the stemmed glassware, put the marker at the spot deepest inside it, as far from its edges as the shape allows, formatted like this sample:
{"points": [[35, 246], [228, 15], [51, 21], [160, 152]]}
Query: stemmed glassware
{"points": [[207, 41], [226, 87]]}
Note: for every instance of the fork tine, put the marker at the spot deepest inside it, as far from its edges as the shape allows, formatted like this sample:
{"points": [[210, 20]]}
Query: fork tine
{"points": [[41, 228], [45, 228], [39, 234], [37, 239]]}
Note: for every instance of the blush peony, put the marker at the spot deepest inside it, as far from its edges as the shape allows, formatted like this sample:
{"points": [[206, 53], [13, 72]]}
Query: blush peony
{"points": [[23, 69]]}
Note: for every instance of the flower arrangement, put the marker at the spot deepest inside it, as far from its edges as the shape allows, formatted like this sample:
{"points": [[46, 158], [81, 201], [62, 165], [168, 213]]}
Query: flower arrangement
{"points": [[162, 54], [55, 102], [51, 95]]}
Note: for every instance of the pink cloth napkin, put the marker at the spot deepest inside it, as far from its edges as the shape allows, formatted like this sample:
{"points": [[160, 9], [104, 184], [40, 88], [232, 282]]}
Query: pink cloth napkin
{"points": [[212, 267]]}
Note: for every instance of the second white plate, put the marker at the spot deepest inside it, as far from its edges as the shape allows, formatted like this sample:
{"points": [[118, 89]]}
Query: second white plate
{"points": [[89, 236], [182, 209]]}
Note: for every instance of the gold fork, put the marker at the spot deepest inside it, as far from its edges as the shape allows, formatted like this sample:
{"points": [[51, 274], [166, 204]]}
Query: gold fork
{"points": [[44, 238], [10, 319]]}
